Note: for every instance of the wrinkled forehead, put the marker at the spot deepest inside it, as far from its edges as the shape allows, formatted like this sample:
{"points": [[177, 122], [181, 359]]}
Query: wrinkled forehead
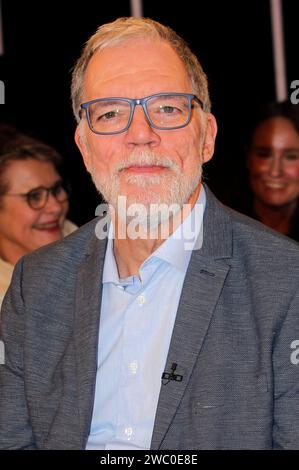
{"points": [[133, 66]]}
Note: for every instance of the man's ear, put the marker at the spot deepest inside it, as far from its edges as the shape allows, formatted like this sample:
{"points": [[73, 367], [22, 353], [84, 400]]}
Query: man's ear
{"points": [[82, 145], [210, 136]]}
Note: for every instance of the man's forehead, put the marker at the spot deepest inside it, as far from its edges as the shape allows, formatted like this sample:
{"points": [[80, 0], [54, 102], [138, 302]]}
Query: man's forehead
{"points": [[144, 61], [137, 51]]}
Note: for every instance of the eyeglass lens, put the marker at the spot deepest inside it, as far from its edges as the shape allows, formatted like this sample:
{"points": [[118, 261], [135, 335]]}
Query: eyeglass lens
{"points": [[37, 198], [166, 112]]}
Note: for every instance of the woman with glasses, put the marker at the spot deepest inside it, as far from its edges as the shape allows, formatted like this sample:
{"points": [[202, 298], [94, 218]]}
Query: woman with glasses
{"points": [[33, 200]]}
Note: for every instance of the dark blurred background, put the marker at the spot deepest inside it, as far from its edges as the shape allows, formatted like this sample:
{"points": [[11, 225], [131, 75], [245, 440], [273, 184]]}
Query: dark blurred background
{"points": [[232, 39]]}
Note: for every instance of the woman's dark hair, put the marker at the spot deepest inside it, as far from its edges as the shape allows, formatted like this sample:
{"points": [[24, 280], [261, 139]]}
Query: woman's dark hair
{"points": [[241, 193], [284, 109], [15, 145]]}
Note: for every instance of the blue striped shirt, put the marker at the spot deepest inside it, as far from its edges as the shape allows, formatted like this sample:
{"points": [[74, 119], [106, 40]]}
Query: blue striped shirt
{"points": [[136, 323]]}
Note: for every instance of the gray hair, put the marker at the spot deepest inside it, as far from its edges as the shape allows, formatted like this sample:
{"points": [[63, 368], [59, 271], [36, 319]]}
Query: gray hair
{"points": [[126, 29]]}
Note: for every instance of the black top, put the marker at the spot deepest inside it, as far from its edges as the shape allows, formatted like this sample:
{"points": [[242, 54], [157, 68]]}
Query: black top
{"points": [[293, 233]]}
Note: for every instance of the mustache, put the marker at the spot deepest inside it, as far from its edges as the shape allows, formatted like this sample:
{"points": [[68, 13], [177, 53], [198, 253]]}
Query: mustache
{"points": [[146, 159]]}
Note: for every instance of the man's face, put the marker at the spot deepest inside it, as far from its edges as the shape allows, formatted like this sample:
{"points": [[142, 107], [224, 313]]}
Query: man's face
{"points": [[144, 164]]}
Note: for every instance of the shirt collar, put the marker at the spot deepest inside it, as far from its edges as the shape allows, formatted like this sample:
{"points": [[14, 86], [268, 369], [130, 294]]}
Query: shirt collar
{"points": [[175, 250]]}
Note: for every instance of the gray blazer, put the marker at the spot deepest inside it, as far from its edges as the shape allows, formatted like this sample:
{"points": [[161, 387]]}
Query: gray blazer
{"points": [[233, 337]]}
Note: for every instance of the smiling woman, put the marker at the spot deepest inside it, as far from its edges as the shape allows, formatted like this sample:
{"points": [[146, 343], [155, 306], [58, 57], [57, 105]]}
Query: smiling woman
{"points": [[273, 168], [33, 200]]}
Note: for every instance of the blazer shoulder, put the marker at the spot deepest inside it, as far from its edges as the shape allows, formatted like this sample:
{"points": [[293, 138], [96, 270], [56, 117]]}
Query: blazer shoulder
{"points": [[70, 250], [232, 233], [51, 271], [264, 248], [260, 232]]}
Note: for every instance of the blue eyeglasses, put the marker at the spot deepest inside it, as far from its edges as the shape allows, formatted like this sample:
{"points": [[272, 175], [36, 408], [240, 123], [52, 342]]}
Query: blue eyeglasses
{"points": [[164, 111]]}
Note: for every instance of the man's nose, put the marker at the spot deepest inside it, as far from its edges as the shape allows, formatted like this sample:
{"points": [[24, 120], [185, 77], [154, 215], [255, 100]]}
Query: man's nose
{"points": [[140, 131], [275, 166]]}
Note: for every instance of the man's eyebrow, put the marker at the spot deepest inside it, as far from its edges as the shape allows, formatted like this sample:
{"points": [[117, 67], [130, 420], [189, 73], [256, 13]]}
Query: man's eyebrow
{"points": [[110, 102]]}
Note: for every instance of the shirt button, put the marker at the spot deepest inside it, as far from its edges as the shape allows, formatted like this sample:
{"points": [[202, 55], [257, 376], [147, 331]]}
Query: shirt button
{"points": [[141, 299], [133, 366], [129, 432]]}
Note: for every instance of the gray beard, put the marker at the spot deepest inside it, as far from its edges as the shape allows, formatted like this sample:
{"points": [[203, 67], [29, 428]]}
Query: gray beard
{"points": [[175, 191]]}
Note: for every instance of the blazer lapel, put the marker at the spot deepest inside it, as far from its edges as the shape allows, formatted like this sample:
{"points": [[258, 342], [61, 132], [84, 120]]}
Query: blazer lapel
{"points": [[86, 328], [204, 280]]}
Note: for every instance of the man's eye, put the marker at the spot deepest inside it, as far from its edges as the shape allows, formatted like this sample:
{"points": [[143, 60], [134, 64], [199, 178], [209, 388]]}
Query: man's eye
{"points": [[169, 110], [108, 116]]}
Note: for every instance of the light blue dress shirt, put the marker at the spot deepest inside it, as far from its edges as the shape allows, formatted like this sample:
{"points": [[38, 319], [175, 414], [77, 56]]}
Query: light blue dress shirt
{"points": [[137, 318]]}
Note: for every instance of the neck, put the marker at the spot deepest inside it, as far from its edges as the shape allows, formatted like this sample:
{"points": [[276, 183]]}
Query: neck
{"points": [[10, 252], [277, 217], [131, 253]]}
